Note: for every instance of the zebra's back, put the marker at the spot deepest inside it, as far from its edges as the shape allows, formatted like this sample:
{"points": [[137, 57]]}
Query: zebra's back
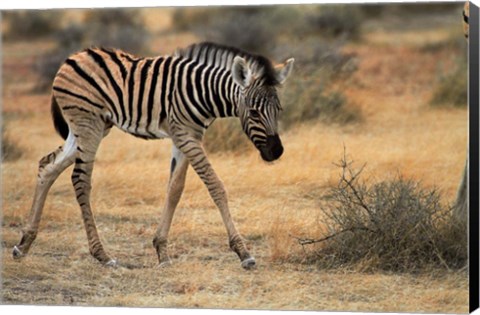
{"points": [[131, 93]]}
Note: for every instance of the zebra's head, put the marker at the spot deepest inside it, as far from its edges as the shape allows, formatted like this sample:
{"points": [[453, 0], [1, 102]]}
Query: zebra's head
{"points": [[258, 104]]}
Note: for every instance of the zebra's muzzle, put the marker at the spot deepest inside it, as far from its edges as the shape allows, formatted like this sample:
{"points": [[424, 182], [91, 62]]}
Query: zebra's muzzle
{"points": [[272, 150]]}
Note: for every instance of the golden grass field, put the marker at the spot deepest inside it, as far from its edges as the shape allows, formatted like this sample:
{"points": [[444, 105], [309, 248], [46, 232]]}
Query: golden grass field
{"points": [[399, 134]]}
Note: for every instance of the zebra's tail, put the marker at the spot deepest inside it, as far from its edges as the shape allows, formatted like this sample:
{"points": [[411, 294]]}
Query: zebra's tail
{"points": [[58, 121]]}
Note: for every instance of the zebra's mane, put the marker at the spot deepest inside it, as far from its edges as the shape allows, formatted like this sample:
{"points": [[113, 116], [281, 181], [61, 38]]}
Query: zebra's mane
{"points": [[222, 56]]}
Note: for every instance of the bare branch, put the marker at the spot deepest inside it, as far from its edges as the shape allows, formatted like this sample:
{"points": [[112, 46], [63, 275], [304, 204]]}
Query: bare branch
{"points": [[308, 241]]}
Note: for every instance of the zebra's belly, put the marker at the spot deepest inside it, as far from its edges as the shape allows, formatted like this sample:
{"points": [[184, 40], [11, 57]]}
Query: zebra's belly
{"points": [[159, 132]]}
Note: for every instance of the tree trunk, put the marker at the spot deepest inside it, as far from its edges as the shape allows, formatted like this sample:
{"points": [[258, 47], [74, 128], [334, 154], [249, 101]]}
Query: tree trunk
{"points": [[460, 209]]}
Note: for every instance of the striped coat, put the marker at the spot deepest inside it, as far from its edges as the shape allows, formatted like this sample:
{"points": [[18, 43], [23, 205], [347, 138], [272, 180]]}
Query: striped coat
{"points": [[175, 96]]}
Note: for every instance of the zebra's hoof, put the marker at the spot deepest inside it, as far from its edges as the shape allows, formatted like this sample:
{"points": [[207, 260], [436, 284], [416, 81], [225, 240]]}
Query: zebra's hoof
{"points": [[17, 253], [248, 263], [112, 263]]}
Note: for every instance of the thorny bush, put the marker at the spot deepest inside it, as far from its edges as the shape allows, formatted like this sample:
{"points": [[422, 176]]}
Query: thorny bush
{"points": [[392, 225]]}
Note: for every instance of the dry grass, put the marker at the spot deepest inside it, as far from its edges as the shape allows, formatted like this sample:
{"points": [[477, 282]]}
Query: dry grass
{"points": [[400, 135]]}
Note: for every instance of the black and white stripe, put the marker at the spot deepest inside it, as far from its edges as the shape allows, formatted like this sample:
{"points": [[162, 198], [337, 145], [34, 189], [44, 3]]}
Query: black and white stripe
{"points": [[175, 96]]}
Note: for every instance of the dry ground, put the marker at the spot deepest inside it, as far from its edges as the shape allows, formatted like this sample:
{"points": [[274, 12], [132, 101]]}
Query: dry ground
{"points": [[400, 134]]}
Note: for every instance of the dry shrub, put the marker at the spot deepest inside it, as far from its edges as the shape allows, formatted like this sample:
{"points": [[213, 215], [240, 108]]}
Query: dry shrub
{"points": [[393, 225], [337, 20], [274, 31], [452, 88], [308, 94], [115, 28], [246, 27], [30, 24], [425, 8], [69, 40], [225, 135], [306, 101], [261, 29], [10, 150]]}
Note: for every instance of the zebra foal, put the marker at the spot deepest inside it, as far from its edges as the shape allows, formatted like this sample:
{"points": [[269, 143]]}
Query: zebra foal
{"points": [[174, 97]]}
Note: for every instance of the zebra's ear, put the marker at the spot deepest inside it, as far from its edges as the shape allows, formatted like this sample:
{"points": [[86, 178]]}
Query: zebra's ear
{"points": [[241, 72], [284, 70]]}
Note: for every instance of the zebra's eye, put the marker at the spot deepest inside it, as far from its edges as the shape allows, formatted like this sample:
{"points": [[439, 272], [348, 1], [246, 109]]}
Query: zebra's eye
{"points": [[254, 113]]}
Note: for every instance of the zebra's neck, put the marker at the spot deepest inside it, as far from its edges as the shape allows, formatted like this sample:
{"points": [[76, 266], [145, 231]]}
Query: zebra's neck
{"points": [[225, 94], [220, 93], [199, 93]]}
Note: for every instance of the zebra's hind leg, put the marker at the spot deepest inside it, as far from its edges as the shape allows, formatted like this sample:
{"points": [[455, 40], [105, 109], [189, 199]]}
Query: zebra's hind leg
{"points": [[50, 167], [178, 171], [88, 140]]}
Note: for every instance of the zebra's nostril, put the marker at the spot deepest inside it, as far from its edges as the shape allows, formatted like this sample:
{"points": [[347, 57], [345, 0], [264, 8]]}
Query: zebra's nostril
{"points": [[277, 151]]}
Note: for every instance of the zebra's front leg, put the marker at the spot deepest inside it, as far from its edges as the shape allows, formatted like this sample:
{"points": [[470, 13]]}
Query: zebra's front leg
{"points": [[178, 171], [195, 154], [88, 142], [81, 180]]}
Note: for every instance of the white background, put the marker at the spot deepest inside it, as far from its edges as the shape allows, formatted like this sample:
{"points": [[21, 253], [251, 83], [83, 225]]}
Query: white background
{"points": [[39, 4]]}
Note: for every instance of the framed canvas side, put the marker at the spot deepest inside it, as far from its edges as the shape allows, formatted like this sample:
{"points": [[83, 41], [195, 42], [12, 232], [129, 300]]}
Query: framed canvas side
{"points": [[171, 283], [473, 149]]}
